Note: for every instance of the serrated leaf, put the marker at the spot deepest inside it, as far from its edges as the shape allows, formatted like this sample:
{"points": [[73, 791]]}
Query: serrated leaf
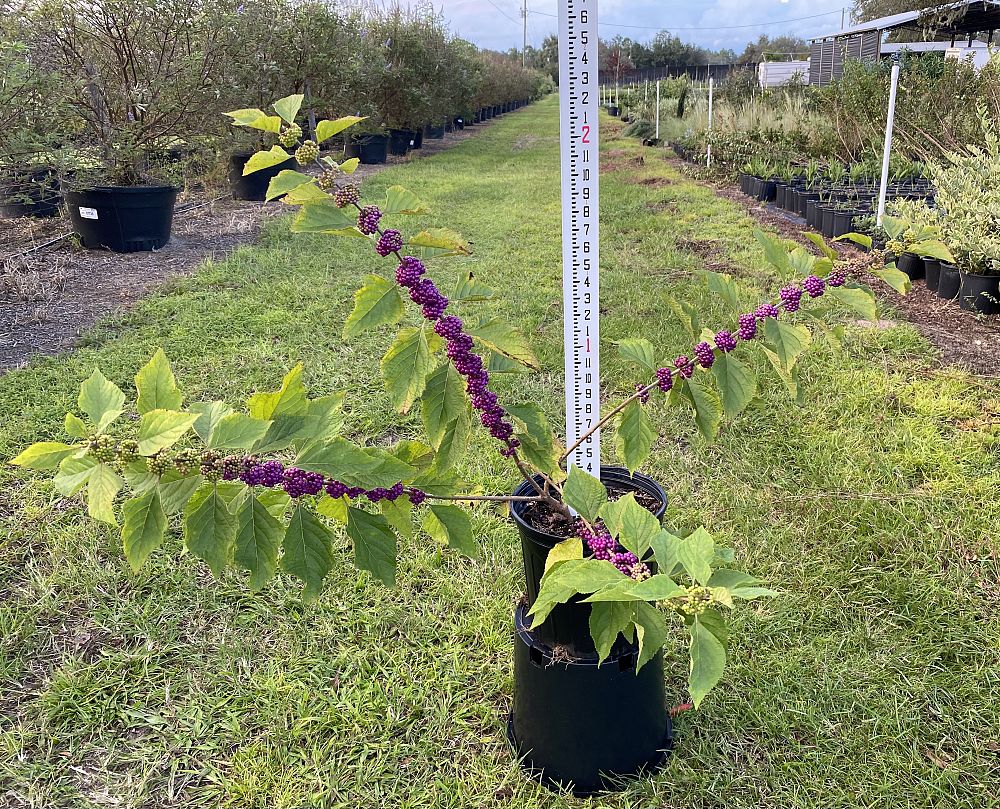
{"points": [[820, 242], [740, 585], [307, 551], [73, 474], [75, 426], [327, 129], [860, 300], [897, 279], [264, 160], [503, 338], [737, 383], [686, 315], [44, 455], [451, 525], [696, 554], [651, 629], [862, 239], [571, 548], [706, 405], [176, 490], [349, 166], [399, 200], [405, 367], [539, 446], [439, 242], [288, 107], [377, 303], [258, 537], [399, 514], [341, 460], [145, 524], [584, 493], [209, 414], [374, 544], [210, 528], [639, 351], [774, 250], [566, 579], [103, 485], [287, 180], [322, 216], [156, 385], [665, 546], [469, 289], [724, 287], [607, 621], [708, 660], [291, 399], [238, 431], [160, 429], [788, 340], [333, 508], [499, 364], [454, 444], [631, 524], [444, 400], [634, 435], [307, 194], [101, 399], [789, 378], [256, 119]]}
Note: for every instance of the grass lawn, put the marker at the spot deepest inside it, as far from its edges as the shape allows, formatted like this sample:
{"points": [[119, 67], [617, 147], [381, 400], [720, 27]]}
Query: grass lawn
{"points": [[873, 681]]}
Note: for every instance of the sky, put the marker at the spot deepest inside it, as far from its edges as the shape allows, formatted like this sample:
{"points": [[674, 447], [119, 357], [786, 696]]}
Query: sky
{"points": [[497, 24]]}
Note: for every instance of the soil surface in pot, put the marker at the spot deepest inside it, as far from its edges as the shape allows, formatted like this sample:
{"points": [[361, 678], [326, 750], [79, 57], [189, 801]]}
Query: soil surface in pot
{"points": [[540, 517]]}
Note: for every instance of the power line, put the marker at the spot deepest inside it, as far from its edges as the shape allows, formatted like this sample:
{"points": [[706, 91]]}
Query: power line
{"points": [[502, 12], [695, 27]]}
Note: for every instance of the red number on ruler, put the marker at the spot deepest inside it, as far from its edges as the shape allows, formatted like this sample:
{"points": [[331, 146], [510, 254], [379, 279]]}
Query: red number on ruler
{"points": [[586, 135]]}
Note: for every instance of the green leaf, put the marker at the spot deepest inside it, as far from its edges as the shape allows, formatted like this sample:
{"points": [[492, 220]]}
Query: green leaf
{"points": [[435, 242], [73, 474], [893, 227], [687, 315], [538, 442], [774, 250], [897, 279], [238, 431], [499, 364], [820, 242], [860, 300], [788, 341], [210, 528], [75, 426], [159, 429], [737, 383], [469, 289], [607, 621], [740, 585], [862, 239], [288, 107], [696, 554], [324, 418], [209, 414], [634, 436], [405, 367], [571, 548], [145, 524], [176, 489], [454, 444], [374, 544], [564, 580], [377, 303], [333, 508], [44, 455], [790, 378], [633, 526], [399, 200], [256, 119], [706, 405], [310, 193], [443, 401], [265, 160], [307, 550], [584, 493], [505, 339], [349, 166], [341, 460], [399, 514], [651, 629], [327, 129], [451, 525], [258, 537], [291, 399], [639, 351], [725, 288], [101, 399], [665, 550], [285, 181], [708, 660], [103, 485], [156, 385], [322, 216]]}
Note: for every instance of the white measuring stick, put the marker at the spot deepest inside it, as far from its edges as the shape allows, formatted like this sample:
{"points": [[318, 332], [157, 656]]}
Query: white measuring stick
{"points": [[887, 146], [657, 109], [578, 145], [711, 87]]}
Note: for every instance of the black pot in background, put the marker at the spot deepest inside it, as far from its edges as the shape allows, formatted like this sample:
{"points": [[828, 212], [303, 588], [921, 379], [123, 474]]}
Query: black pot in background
{"points": [[458, 124], [252, 187], [804, 198], [434, 132], [417, 139], [613, 111], [568, 624], [932, 273], [31, 192], [843, 222], [125, 219], [980, 293], [767, 190], [399, 141], [814, 213], [580, 725], [949, 281], [912, 265], [826, 222], [373, 149], [351, 147]]}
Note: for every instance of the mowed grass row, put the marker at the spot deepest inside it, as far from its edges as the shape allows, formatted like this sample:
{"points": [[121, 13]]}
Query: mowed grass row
{"points": [[871, 504]]}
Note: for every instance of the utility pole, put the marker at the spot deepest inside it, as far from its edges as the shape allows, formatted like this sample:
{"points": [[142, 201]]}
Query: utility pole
{"points": [[842, 11], [524, 37]]}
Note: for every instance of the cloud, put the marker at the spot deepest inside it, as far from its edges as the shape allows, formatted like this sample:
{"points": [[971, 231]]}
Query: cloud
{"points": [[499, 26]]}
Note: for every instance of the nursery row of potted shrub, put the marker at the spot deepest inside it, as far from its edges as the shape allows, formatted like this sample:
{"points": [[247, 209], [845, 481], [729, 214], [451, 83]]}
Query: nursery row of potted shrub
{"points": [[974, 292]]}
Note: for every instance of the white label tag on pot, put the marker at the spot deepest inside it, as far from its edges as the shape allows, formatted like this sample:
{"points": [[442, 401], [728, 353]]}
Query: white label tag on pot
{"points": [[88, 213]]}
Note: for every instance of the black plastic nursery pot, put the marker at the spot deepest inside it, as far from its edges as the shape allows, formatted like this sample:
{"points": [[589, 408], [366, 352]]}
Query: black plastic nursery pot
{"points": [[373, 149], [980, 293], [949, 281], [252, 187], [826, 222], [434, 132], [912, 265], [124, 219], [932, 273], [613, 111], [804, 198], [399, 141], [581, 726], [417, 139], [843, 222], [458, 124], [568, 625], [31, 192]]}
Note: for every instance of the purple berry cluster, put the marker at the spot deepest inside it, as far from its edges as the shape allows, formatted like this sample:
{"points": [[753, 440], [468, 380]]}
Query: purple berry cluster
{"points": [[813, 285], [837, 278], [725, 341], [391, 241], [409, 272], [368, 219], [748, 327], [684, 366], [600, 542], [664, 379], [704, 354], [790, 296], [642, 391], [766, 310]]}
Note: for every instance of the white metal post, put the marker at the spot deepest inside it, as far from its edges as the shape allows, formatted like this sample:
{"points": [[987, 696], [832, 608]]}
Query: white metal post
{"points": [[887, 147], [657, 109], [711, 89]]}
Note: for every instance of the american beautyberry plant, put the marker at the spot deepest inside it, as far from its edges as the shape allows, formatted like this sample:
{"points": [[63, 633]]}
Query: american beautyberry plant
{"points": [[270, 486]]}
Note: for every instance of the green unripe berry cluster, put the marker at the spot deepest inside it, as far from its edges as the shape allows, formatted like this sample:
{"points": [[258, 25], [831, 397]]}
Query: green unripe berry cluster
{"points": [[102, 448], [307, 153], [187, 461], [211, 465], [290, 135], [694, 601], [159, 463], [328, 179]]}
